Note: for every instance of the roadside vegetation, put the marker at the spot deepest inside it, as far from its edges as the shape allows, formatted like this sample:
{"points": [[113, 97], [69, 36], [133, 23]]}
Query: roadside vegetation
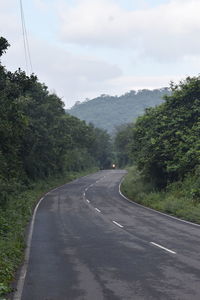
{"points": [[40, 147], [164, 147], [176, 199]]}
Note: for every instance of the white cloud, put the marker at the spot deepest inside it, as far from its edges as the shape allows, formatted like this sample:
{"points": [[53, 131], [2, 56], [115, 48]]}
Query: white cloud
{"points": [[9, 20], [74, 77], [127, 83], [135, 40], [167, 31], [71, 76]]}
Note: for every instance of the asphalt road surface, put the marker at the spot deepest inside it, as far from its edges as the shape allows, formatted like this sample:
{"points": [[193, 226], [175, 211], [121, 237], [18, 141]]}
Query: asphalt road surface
{"points": [[90, 243]]}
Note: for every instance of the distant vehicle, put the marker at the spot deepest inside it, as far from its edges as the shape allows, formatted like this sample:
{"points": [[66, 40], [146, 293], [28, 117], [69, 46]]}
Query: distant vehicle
{"points": [[113, 166]]}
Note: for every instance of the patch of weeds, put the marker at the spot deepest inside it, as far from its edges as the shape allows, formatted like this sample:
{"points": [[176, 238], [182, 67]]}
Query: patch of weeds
{"points": [[181, 198], [4, 289]]}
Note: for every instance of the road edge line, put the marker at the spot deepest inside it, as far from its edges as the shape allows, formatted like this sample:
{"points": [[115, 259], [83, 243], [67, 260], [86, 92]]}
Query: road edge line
{"points": [[22, 273], [21, 280], [153, 210]]}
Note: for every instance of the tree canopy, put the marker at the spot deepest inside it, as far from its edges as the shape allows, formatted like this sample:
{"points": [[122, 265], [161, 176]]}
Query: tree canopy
{"points": [[3, 45], [165, 142], [37, 138]]}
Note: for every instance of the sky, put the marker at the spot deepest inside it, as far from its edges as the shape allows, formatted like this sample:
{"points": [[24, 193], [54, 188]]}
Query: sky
{"points": [[84, 48]]}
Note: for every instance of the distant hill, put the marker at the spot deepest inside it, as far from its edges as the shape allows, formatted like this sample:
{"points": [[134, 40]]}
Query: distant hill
{"points": [[108, 112]]}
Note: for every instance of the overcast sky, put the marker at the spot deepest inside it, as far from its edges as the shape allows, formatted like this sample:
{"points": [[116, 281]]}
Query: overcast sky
{"points": [[83, 48]]}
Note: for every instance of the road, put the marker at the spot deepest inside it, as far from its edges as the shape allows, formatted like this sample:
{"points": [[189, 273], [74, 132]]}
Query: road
{"points": [[90, 243]]}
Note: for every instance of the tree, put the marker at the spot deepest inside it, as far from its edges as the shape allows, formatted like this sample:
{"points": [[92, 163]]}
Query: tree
{"points": [[166, 140], [3, 45], [122, 141], [37, 138]]}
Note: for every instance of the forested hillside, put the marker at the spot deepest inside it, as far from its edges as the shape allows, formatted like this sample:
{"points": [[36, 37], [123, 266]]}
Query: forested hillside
{"points": [[40, 145], [108, 112], [164, 144]]}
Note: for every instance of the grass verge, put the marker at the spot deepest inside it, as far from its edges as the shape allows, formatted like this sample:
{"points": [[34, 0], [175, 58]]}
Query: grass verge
{"points": [[14, 218], [180, 199]]}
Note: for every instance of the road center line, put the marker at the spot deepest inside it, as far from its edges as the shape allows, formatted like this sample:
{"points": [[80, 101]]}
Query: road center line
{"points": [[166, 249], [117, 224], [97, 209]]}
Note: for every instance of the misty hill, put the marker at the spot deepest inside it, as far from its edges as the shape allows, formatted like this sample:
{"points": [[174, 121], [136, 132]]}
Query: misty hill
{"points": [[108, 112]]}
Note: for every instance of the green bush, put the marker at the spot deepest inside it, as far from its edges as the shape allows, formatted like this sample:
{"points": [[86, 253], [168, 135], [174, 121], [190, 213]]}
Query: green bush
{"points": [[178, 199]]}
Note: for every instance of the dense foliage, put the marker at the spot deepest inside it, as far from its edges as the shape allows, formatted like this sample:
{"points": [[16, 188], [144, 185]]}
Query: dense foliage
{"points": [[108, 112], [165, 142], [37, 138]]}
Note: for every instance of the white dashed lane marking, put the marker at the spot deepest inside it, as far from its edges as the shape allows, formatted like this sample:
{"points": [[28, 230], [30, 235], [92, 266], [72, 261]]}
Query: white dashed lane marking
{"points": [[97, 209], [116, 223], [159, 246]]}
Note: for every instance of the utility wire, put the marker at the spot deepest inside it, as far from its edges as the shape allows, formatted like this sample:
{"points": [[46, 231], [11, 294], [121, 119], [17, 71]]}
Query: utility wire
{"points": [[25, 41]]}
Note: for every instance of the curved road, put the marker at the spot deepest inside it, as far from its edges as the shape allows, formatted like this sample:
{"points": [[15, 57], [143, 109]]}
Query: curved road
{"points": [[90, 243]]}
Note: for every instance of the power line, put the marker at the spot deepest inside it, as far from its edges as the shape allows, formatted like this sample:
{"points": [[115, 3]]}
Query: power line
{"points": [[25, 41]]}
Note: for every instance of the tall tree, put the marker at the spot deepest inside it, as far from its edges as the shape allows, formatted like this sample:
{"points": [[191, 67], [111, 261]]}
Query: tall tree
{"points": [[166, 140]]}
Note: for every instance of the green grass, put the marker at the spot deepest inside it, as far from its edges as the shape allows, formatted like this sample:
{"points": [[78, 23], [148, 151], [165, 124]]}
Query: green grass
{"points": [[180, 199], [14, 218]]}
